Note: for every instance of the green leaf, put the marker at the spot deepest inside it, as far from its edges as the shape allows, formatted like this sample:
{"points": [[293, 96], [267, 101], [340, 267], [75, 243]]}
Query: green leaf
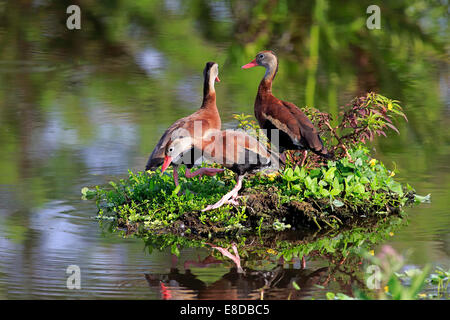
{"points": [[329, 175], [324, 192], [334, 192], [421, 199], [84, 191], [364, 180], [308, 182], [176, 190], [322, 183], [330, 295], [315, 173], [337, 203], [396, 187], [359, 188], [297, 171], [174, 250]]}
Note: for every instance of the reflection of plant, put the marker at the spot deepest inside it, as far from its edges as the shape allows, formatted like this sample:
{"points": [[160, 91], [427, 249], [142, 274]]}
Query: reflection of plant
{"points": [[280, 226], [341, 244]]}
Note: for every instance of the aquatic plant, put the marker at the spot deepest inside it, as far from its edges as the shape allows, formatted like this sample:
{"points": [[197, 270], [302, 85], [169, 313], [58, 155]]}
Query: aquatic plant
{"points": [[330, 196]]}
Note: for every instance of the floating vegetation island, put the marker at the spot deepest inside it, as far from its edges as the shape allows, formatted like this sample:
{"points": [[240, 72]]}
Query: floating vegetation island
{"points": [[353, 191], [339, 194]]}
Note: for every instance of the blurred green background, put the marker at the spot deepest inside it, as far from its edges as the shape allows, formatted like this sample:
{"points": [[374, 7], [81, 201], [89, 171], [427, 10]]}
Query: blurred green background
{"points": [[81, 107]]}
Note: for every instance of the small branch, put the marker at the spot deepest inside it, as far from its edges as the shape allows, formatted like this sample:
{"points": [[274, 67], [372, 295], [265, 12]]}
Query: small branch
{"points": [[339, 140]]}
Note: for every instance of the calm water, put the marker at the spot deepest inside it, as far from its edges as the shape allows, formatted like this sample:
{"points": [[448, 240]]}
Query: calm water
{"points": [[80, 108]]}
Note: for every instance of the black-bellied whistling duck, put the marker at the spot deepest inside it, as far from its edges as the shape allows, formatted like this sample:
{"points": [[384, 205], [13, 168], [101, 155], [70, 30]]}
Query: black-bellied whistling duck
{"points": [[296, 131], [199, 123], [232, 149]]}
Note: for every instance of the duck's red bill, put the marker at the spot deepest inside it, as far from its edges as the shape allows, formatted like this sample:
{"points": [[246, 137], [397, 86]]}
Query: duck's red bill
{"points": [[167, 161], [217, 79], [250, 64]]}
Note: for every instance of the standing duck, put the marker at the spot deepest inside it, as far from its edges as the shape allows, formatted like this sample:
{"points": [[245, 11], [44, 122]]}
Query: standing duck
{"points": [[232, 149], [296, 131], [199, 123]]}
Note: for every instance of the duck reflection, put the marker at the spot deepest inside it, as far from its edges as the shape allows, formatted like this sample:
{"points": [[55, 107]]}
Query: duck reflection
{"points": [[246, 283]]}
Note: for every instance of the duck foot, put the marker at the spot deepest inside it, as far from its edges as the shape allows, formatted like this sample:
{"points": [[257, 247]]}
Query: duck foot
{"points": [[230, 197], [234, 257], [203, 171], [305, 154]]}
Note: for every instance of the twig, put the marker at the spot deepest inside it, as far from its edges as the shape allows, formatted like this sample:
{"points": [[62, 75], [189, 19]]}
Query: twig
{"points": [[315, 220], [339, 140]]}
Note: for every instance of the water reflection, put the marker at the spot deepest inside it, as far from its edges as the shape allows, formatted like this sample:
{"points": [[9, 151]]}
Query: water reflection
{"points": [[152, 61], [277, 282]]}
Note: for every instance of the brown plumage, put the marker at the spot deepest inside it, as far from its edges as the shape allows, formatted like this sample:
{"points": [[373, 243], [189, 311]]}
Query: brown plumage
{"points": [[234, 150], [207, 117], [296, 131]]}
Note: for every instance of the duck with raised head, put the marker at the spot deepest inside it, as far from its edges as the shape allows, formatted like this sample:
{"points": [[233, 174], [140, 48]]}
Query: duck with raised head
{"points": [[232, 149], [296, 131], [205, 119]]}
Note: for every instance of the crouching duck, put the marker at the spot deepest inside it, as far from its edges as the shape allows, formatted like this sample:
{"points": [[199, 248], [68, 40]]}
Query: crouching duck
{"points": [[232, 149]]}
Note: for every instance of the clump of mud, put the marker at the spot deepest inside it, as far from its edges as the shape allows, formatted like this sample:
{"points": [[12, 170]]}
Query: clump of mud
{"points": [[264, 208]]}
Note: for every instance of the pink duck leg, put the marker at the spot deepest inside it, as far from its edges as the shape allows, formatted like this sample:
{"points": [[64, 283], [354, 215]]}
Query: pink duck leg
{"points": [[234, 257], [203, 171], [230, 197]]}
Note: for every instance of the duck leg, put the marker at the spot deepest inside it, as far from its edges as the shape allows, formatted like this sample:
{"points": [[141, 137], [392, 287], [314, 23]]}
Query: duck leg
{"points": [[234, 257], [230, 197], [305, 154], [203, 171], [282, 158], [175, 175]]}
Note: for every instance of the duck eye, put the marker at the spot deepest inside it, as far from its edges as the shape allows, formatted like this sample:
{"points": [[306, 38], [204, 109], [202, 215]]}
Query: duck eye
{"points": [[261, 56], [170, 149]]}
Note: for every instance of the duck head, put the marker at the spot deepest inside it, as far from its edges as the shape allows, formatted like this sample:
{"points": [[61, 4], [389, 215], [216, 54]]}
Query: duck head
{"points": [[266, 59], [175, 149]]}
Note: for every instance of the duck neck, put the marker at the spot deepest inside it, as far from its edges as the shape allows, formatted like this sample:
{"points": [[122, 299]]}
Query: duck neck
{"points": [[266, 82], [209, 92]]}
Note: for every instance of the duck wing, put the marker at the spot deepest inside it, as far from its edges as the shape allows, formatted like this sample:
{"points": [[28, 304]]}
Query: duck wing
{"points": [[157, 156], [295, 126]]}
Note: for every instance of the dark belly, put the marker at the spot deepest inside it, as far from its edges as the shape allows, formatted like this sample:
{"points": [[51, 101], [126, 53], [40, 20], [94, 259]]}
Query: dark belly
{"points": [[285, 142]]}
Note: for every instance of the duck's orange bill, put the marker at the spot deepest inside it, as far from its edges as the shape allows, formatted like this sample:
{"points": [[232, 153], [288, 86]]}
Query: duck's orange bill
{"points": [[217, 79], [250, 64], [167, 161]]}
